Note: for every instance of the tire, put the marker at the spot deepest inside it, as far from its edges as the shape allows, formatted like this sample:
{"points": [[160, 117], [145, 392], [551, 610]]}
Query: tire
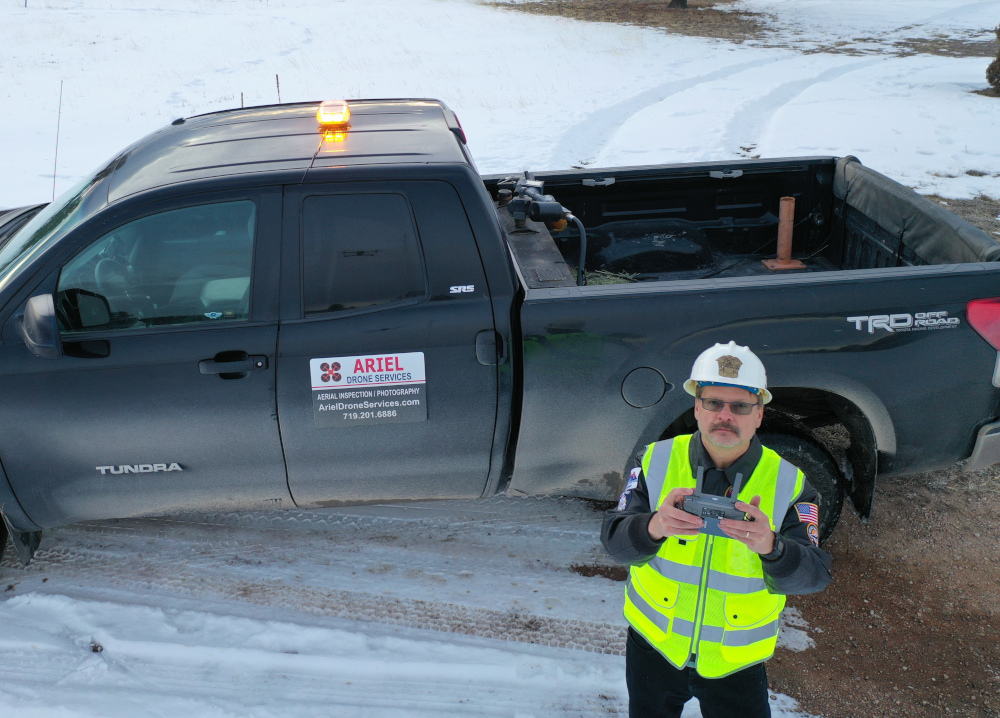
{"points": [[820, 470]]}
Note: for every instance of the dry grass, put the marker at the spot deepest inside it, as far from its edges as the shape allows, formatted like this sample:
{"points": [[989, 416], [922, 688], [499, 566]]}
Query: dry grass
{"points": [[702, 18], [981, 212], [714, 19], [602, 276]]}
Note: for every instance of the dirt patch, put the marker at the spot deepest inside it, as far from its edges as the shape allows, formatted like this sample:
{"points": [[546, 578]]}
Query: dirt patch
{"points": [[714, 19], [948, 47], [909, 626], [982, 212], [600, 505], [940, 46], [615, 573], [702, 18]]}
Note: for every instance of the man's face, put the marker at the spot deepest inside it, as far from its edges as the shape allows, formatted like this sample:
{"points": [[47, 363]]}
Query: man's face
{"points": [[724, 429]]}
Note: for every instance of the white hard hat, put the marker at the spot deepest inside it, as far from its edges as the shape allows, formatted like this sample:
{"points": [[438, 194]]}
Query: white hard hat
{"points": [[729, 365]]}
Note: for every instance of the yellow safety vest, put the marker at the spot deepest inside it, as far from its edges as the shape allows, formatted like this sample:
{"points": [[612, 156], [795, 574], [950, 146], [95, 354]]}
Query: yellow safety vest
{"points": [[706, 595]]}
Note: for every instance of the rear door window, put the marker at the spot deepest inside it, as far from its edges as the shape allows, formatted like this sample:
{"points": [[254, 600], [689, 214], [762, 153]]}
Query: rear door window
{"points": [[359, 251]]}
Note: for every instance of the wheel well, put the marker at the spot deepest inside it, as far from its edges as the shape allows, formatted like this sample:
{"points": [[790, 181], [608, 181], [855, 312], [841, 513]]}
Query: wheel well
{"points": [[824, 418]]}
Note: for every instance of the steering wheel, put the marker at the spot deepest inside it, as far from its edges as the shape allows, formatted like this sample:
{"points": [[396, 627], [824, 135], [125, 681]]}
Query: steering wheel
{"points": [[113, 282]]}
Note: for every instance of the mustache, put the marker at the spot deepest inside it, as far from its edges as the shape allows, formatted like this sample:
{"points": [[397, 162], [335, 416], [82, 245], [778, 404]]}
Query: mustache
{"points": [[725, 425]]}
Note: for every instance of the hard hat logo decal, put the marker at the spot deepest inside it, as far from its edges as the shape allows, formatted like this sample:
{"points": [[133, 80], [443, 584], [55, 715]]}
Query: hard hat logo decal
{"points": [[729, 366]]}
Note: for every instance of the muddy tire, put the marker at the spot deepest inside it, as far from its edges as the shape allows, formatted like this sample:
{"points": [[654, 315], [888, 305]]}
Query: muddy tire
{"points": [[821, 471]]}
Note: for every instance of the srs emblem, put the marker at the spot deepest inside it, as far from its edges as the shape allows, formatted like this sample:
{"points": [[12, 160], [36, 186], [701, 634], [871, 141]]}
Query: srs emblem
{"points": [[139, 468]]}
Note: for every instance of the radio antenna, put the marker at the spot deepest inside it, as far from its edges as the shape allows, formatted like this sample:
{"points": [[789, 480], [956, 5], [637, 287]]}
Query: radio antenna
{"points": [[55, 162]]}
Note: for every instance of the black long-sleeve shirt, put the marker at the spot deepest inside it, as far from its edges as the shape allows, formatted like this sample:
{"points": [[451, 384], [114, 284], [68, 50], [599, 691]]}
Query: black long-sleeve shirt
{"points": [[803, 567]]}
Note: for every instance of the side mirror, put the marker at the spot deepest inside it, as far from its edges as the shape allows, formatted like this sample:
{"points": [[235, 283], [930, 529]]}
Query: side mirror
{"points": [[39, 328], [81, 310]]}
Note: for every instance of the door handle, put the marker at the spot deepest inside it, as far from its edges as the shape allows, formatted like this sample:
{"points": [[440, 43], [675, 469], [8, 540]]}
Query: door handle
{"points": [[233, 363]]}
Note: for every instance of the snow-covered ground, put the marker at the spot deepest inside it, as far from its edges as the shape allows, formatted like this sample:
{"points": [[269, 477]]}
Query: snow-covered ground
{"points": [[533, 92], [439, 608], [462, 608]]}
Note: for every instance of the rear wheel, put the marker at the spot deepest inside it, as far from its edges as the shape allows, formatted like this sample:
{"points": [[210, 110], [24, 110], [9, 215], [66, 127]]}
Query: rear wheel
{"points": [[820, 470]]}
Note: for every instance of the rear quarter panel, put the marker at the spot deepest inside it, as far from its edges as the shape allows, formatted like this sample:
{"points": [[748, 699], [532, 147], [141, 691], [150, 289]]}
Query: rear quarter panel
{"points": [[925, 391]]}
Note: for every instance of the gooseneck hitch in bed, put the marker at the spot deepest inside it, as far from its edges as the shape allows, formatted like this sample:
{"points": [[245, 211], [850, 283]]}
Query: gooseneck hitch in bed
{"points": [[528, 201]]}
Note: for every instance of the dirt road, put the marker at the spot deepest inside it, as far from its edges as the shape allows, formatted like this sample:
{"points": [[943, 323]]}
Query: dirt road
{"points": [[910, 622]]}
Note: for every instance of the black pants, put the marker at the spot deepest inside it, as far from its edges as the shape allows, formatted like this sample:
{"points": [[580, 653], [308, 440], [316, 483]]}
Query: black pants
{"points": [[658, 690]]}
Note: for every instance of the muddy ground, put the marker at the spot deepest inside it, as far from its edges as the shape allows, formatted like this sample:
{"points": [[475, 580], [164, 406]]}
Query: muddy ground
{"points": [[910, 623], [703, 18], [983, 212]]}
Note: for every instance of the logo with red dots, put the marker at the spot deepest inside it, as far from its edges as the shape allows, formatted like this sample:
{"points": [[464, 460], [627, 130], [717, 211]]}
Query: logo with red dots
{"points": [[331, 371]]}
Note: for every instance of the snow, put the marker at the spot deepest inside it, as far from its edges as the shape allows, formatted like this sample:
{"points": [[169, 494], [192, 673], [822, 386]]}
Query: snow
{"points": [[532, 92], [108, 659], [823, 22], [444, 607], [436, 608]]}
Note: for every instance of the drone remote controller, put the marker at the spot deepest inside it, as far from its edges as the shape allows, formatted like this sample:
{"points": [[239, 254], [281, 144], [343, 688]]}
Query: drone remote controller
{"points": [[711, 508]]}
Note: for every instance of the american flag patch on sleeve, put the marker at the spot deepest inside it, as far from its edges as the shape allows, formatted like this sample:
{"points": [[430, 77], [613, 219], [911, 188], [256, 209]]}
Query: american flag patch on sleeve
{"points": [[808, 513]]}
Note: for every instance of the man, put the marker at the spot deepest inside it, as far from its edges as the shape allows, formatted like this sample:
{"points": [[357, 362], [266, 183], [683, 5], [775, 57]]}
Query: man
{"points": [[704, 609]]}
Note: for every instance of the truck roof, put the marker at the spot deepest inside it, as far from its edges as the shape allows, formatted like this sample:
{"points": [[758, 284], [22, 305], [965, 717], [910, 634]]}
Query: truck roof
{"points": [[274, 138]]}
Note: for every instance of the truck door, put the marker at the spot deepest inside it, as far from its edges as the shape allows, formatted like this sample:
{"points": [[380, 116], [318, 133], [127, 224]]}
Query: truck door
{"points": [[164, 398], [380, 392]]}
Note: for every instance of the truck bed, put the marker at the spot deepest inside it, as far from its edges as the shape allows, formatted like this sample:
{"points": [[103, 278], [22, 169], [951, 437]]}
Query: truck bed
{"points": [[683, 223]]}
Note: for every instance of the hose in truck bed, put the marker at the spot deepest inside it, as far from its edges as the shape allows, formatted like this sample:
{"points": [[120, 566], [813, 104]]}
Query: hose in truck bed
{"points": [[581, 276]]}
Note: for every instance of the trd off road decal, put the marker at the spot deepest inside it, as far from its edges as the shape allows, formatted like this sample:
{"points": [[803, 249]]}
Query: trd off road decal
{"points": [[921, 321], [374, 389]]}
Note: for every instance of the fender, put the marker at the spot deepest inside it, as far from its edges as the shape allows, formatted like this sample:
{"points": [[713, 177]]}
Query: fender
{"points": [[25, 534], [25, 542]]}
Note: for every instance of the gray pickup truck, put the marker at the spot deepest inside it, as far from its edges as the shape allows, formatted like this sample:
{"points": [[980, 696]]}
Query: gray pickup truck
{"points": [[254, 309]]}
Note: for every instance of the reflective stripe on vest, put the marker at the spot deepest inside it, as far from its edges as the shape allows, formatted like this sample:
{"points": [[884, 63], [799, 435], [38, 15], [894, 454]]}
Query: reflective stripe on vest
{"points": [[657, 474], [654, 616], [682, 573], [724, 603]]}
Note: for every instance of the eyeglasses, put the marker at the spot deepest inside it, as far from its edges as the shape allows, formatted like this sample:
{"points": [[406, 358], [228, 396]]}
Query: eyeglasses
{"points": [[740, 408]]}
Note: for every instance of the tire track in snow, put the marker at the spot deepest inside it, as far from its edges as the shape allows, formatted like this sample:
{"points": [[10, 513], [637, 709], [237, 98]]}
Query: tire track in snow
{"points": [[99, 570], [583, 142], [230, 555], [752, 120]]}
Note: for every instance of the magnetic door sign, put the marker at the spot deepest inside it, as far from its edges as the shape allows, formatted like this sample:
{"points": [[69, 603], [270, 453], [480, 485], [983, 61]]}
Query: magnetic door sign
{"points": [[373, 389]]}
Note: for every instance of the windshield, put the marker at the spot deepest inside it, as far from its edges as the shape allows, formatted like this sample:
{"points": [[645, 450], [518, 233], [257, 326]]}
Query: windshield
{"points": [[65, 213]]}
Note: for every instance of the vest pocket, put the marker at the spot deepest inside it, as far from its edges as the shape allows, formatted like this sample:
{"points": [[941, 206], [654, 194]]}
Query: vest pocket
{"points": [[746, 611], [661, 592], [751, 628]]}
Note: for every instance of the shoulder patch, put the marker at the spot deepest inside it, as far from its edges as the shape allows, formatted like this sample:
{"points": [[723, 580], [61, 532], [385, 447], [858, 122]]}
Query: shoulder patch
{"points": [[633, 481], [813, 531], [808, 513]]}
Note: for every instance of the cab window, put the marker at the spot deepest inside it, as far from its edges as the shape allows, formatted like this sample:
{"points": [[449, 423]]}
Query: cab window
{"points": [[184, 266], [358, 251]]}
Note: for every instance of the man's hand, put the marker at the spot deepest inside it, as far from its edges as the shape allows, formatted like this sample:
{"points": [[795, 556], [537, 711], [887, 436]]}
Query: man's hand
{"points": [[756, 534], [671, 521]]}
